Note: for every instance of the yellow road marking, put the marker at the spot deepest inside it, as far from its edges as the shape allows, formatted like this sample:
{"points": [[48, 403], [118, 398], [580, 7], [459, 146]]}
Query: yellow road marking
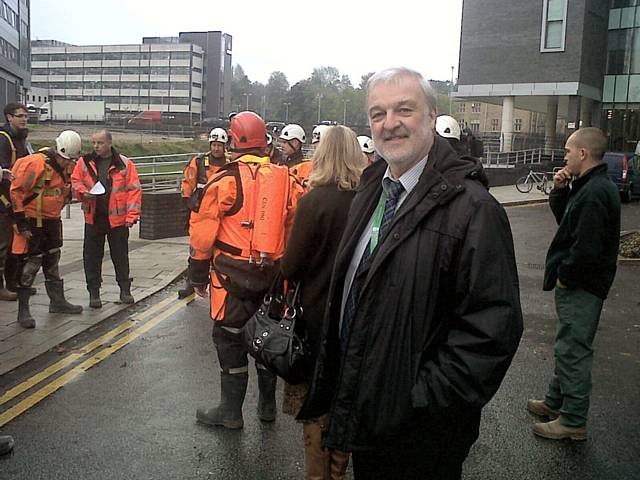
{"points": [[69, 359], [62, 380]]}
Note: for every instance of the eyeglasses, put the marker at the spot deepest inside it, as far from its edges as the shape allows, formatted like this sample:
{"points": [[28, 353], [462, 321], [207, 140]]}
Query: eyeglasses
{"points": [[20, 115]]}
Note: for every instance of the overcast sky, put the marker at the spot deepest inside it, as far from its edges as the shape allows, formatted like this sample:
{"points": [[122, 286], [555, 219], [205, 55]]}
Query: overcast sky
{"points": [[356, 37]]}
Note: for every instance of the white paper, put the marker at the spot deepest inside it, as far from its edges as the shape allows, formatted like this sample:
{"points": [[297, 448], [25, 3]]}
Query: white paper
{"points": [[98, 189]]}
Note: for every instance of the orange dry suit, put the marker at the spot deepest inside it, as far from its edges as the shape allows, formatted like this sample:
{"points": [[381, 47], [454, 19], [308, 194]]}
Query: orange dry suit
{"points": [[197, 173], [38, 193], [124, 190], [238, 235], [300, 168]]}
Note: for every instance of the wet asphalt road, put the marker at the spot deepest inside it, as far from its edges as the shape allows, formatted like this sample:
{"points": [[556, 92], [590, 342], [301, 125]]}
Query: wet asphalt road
{"points": [[132, 416]]}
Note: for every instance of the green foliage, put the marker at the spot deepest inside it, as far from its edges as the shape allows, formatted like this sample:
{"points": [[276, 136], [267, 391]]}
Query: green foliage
{"points": [[137, 149]]}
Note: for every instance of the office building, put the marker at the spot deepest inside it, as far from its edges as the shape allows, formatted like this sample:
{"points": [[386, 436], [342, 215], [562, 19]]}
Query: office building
{"points": [[547, 56], [15, 76], [167, 74]]}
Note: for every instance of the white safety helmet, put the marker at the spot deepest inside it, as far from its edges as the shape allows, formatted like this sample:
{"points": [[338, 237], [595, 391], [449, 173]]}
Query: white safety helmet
{"points": [[447, 127], [218, 135], [293, 131], [366, 144], [68, 144], [269, 139], [318, 132]]}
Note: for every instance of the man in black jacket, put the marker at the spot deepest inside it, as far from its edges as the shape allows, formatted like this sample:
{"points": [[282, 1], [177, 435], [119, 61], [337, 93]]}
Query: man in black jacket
{"points": [[423, 316], [580, 267], [13, 136]]}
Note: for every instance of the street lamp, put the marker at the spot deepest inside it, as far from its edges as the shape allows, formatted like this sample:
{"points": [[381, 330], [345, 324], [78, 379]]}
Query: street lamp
{"points": [[264, 107], [344, 112], [319, 100], [247, 95], [451, 91], [286, 112]]}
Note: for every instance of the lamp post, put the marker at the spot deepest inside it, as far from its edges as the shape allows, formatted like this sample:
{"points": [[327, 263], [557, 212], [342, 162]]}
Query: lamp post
{"points": [[319, 100], [264, 107], [451, 92], [344, 112], [286, 112], [246, 96]]}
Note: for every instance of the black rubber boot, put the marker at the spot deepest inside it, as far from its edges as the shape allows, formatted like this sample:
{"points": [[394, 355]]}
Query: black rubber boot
{"points": [[94, 298], [6, 444], [186, 291], [57, 303], [267, 398], [25, 320], [125, 293], [229, 413]]}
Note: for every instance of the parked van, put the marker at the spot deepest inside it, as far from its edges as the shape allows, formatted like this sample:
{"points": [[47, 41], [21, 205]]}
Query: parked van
{"points": [[147, 118], [624, 171]]}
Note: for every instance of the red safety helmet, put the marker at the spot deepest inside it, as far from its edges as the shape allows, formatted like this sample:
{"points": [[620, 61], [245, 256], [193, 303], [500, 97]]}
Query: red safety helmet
{"points": [[248, 131]]}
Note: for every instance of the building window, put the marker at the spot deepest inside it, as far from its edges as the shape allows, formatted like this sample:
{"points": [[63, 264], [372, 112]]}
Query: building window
{"points": [[475, 108], [475, 126], [554, 25], [495, 124], [517, 126], [461, 107]]}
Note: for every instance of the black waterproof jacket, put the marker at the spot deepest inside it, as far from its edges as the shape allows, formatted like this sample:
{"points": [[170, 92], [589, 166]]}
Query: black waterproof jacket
{"points": [[438, 318], [584, 251]]}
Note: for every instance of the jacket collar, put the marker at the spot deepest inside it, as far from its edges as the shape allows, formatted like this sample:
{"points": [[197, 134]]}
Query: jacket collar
{"points": [[116, 159], [295, 159], [598, 170], [440, 182]]}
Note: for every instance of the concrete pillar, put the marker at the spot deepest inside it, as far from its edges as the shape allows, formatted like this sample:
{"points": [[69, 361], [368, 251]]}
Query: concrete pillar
{"points": [[585, 112], [596, 114], [550, 124], [506, 134], [573, 115]]}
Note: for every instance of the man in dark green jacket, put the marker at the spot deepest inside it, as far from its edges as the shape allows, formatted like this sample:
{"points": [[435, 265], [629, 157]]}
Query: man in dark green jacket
{"points": [[580, 266]]}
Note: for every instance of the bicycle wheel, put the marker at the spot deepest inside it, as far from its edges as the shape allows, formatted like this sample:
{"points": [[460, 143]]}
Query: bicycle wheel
{"points": [[546, 186], [524, 185]]}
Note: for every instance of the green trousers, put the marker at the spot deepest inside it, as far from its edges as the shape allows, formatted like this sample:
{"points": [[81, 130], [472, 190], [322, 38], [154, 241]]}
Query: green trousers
{"points": [[578, 316]]}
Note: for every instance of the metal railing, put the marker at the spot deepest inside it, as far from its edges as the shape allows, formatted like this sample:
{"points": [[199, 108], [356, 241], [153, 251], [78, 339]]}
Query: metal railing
{"points": [[521, 157], [161, 172]]}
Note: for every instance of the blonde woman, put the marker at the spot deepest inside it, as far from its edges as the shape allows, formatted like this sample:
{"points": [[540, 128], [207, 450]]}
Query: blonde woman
{"points": [[312, 246]]}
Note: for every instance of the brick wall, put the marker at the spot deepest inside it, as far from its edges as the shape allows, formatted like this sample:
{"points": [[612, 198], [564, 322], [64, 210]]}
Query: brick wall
{"points": [[163, 216]]}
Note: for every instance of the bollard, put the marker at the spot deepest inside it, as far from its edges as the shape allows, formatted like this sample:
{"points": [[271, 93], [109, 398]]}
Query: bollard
{"points": [[68, 211]]}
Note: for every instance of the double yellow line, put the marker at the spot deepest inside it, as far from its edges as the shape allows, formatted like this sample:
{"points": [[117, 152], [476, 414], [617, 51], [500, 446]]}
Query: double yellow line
{"points": [[44, 392]]}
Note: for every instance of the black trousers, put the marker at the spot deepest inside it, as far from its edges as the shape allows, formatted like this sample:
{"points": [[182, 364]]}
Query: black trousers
{"points": [[432, 448], [93, 253]]}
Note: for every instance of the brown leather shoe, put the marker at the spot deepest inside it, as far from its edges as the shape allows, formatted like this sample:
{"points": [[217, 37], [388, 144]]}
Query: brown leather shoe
{"points": [[538, 407], [7, 295], [556, 431]]}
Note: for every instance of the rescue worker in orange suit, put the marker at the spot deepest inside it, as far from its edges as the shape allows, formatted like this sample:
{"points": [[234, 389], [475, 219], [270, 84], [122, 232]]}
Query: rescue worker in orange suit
{"points": [[292, 139], [274, 154], [39, 190], [107, 184], [197, 173], [236, 244]]}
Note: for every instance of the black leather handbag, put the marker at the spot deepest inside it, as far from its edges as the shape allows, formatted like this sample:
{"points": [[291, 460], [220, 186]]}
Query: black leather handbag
{"points": [[274, 339]]}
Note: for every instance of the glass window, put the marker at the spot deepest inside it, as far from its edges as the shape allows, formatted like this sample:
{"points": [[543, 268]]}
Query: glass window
{"points": [[553, 25], [110, 84], [92, 56], [130, 70], [475, 126], [179, 101], [92, 70], [627, 19], [622, 88], [179, 85], [622, 3], [160, 55], [130, 55], [634, 88], [495, 123], [517, 125], [614, 19], [112, 55], [159, 71], [75, 71], [160, 85], [179, 70], [40, 57], [475, 107], [180, 55], [74, 57], [461, 107], [111, 70], [619, 49]]}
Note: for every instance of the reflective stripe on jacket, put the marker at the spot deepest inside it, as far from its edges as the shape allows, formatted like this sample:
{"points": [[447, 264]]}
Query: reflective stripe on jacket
{"points": [[198, 172], [40, 188], [125, 195]]}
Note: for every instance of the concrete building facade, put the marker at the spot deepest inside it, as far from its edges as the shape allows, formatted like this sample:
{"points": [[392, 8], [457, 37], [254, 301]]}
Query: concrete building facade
{"points": [[15, 76], [167, 74], [545, 56]]}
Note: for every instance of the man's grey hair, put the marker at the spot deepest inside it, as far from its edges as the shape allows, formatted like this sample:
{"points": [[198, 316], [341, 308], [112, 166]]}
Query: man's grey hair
{"points": [[394, 74], [106, 133]]}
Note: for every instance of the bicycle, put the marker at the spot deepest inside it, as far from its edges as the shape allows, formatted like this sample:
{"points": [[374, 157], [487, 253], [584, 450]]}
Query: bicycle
{"points": [[542, 180]]}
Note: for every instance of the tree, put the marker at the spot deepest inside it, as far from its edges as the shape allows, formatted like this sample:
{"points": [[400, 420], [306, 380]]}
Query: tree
{"points": [[276, 95]]}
